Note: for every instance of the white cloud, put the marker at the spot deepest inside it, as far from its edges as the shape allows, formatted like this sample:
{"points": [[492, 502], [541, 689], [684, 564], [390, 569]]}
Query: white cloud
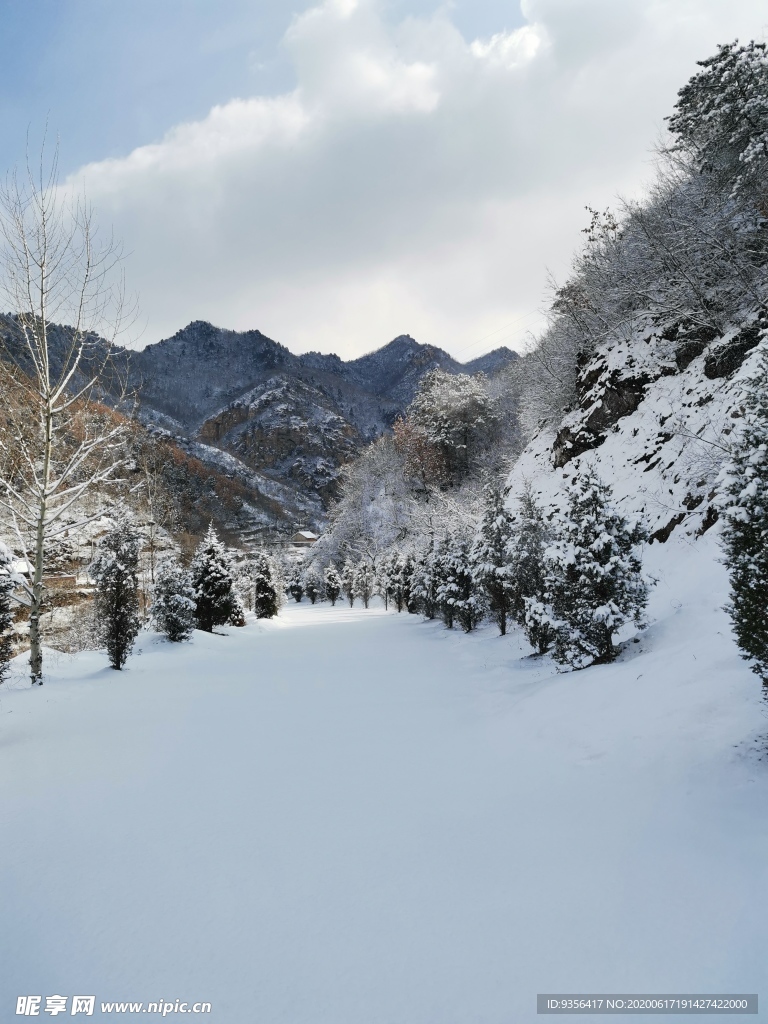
{"points": [[412, 180]]}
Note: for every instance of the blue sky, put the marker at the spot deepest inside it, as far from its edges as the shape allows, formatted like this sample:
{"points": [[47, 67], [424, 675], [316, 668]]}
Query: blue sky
{"points": [[111, 75], [344, 171]]}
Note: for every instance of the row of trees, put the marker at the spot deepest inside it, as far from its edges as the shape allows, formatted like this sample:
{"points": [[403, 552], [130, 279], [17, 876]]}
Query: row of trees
{"points": [[211, 592], [570, 582]]}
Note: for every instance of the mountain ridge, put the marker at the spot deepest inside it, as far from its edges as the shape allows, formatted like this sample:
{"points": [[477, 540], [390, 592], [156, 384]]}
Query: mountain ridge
{"points": [[294, 419]]}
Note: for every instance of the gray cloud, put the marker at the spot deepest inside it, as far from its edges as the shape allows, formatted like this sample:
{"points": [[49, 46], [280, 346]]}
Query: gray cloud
{"points": [[413, 180]]}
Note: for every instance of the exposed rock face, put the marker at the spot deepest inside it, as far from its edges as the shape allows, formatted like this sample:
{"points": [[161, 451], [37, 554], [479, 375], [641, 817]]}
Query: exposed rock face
{"points": [[287, 428], [655, 425]]}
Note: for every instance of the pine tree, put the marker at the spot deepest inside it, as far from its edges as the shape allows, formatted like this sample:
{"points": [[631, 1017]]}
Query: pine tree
{"points": [[407, 573], [396, 582], [115, 571], [265, 596], [425, 582], [348, 581], [490, 556], [384, 577], [312, 586], [745, 525], [527, 550], [173, 607], [216, 602], [364, 581], [296, 584], [6, 614], [441, 562], [332, 583], [594, 579], [459, 592]]}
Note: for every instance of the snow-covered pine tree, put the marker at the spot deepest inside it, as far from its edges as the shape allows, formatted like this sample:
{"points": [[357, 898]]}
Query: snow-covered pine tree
{"points": [[216, 602], [173, 606], [312, 585], [296, 583], [332, 583], [364, 582], [115, 571], [6, 614], [594, 579], [490, 555], [526, 551], [745, 524], [460, 589], [348, 581], [407, 572], [396, 581], [425, 582], [384, 577], [265, 591], [441, 562], [242, 577], [721, 116]]}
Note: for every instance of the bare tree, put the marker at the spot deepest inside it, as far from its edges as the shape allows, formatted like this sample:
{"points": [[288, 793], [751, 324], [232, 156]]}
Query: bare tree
{"points": [[62, 445]]}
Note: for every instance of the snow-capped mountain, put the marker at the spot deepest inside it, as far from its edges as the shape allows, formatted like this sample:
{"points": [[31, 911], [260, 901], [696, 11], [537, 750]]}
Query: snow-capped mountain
{"points": [[294, 420]]}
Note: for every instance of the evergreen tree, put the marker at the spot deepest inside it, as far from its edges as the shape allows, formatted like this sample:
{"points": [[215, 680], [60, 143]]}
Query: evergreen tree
{"points": [[384, 577], [173, 607], [115, 571], [216, 602], [745, 525], [425, 582], [490, 556], [312, 586], [332, 583], [594, 579], [721, 116], [526, 552], [296, 584], [6, 614], [459, 592], [364, 581], [397, 581], [265, 593], [348, 581], [444, 590], [407, 572]]}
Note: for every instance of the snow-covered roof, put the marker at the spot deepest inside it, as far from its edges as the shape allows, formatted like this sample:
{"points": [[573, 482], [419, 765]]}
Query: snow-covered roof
{"points": [[306, 534]]}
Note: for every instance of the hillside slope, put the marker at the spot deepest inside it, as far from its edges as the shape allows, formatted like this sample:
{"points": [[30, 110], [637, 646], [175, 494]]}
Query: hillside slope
{"points": [[654, 426]]}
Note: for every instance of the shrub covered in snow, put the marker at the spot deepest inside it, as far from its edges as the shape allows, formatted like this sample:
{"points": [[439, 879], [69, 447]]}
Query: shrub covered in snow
{"points": [[364, 582], [332, 583], [312, 583], [173, 607]]}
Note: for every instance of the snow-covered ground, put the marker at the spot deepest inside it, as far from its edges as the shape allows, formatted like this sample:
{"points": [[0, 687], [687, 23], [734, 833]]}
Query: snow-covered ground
{"points": [[355, 817]]}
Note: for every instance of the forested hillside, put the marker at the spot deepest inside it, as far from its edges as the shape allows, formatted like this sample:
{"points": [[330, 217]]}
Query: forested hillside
{"points": [[622, 415]]}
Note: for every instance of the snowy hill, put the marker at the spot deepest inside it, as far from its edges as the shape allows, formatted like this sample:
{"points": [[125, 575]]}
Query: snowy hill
{"points": [[655, 423], [294, 419]]}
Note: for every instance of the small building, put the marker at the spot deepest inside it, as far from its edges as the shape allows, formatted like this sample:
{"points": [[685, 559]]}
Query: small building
{"points": [[304, 538]]}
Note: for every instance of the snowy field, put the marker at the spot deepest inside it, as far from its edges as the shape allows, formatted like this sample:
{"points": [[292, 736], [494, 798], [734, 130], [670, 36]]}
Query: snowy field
{"points": [[351, 817]]}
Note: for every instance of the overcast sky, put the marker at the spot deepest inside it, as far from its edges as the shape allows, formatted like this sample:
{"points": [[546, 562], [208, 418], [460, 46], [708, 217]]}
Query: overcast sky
{"points": [[341, 173]]}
